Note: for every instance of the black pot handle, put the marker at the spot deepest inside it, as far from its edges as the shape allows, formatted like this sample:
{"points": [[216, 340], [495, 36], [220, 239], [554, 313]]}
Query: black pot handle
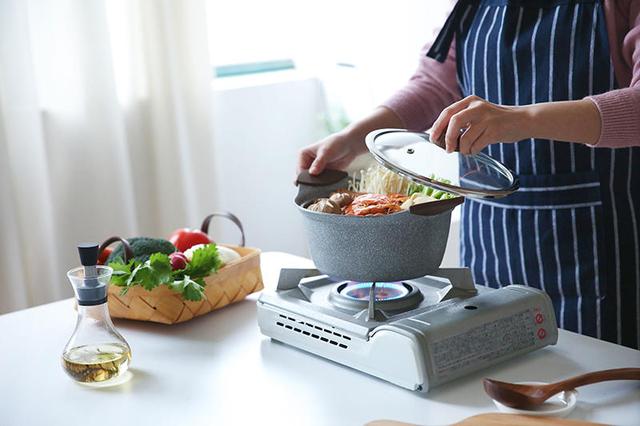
{"points": [[433, 208], [233, 218], [311, 186], [327, 177]]}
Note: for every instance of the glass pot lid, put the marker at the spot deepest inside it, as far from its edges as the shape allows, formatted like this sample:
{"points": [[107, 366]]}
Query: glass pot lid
{"points": [[415, 156]]}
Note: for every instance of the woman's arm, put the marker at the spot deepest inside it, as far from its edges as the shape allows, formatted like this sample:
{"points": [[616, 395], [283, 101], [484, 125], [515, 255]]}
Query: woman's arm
{"points": [[483, 123], [619, 113], [432, 87], [609, 120], [620, 109]]}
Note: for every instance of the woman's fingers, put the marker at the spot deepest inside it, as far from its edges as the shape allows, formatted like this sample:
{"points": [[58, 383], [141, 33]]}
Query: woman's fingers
{"points": [[484, 140], [470, 136], [305, 159], [319, 164], [443, 120], [458, 125], [473, 123]]}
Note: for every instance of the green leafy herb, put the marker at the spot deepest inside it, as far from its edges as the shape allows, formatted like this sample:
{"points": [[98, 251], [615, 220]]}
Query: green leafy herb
{"points": [[204, 260], [191, 289], [160, 263], [155, 271]]}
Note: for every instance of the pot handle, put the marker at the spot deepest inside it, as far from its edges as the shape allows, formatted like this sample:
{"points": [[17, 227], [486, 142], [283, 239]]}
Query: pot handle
{"points": [[433, 208], [233, 218], [128, 251], [313, 186]]}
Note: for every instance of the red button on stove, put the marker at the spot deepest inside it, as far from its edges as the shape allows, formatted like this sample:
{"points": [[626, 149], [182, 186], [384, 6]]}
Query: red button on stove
{"points": [[542, 333], [539, 318]]}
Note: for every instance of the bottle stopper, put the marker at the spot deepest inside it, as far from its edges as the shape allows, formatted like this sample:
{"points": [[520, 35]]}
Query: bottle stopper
{"points": [[90, 290]]}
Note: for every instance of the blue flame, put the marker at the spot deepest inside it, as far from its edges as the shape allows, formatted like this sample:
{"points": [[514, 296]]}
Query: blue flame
{"points": [[384, 291]]}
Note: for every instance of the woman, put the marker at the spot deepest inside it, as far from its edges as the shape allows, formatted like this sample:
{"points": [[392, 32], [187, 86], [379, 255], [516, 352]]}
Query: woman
{"points": [[551, 88]]}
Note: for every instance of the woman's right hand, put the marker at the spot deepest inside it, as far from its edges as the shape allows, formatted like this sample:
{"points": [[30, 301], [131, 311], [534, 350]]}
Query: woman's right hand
{"points": [[338, 150]]}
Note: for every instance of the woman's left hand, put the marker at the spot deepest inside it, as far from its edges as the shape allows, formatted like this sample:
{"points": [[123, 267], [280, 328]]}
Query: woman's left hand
{"points": [[473, 123]]}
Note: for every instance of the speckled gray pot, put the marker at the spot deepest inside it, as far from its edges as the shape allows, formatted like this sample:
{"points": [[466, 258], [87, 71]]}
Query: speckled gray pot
{"points": [[393, 247]]}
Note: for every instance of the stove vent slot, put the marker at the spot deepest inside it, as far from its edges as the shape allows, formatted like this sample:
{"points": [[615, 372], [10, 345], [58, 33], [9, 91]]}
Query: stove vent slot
{"points": [[296, 327]]}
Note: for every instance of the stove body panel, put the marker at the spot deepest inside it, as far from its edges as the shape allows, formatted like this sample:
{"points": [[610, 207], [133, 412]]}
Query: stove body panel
{"points": [[433, 343]]}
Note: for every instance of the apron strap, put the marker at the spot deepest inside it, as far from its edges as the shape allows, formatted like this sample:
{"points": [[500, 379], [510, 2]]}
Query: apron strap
{"points": [[440, 47]]}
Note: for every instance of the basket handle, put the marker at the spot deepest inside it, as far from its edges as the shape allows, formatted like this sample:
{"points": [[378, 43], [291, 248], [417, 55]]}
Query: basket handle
{"points": [[128, 251], [233, 218]]}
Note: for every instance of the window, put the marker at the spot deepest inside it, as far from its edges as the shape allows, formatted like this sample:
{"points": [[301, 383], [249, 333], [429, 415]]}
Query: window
{"points": [[381, 39]]}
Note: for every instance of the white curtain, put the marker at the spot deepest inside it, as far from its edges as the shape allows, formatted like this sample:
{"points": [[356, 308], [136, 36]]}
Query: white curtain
{"points": [[105, 129]]}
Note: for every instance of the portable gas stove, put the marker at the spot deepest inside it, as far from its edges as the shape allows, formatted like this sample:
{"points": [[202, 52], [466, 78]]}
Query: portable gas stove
{"points": [[417, 333]]}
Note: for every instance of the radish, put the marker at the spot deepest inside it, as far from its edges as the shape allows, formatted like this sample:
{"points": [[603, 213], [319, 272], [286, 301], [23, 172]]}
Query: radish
{"points": [[178, 260]]}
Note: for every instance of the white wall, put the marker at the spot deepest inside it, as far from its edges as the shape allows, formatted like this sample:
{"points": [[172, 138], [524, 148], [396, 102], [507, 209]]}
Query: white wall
{"points": [[260, 124]]}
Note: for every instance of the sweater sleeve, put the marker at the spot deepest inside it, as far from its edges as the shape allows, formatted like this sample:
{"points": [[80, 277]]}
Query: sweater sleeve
{"points": [[432, 88], [620, 109]]}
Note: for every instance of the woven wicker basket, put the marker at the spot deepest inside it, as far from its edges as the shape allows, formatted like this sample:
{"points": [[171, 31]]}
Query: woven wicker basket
{"points": [[230, 284]]}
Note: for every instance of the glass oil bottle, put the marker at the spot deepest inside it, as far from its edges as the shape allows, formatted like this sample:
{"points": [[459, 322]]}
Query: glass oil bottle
{"points": [[96, 354]]}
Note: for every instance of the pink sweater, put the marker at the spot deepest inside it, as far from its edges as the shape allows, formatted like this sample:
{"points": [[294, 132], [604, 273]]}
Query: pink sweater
{"points": [[434, 85]]}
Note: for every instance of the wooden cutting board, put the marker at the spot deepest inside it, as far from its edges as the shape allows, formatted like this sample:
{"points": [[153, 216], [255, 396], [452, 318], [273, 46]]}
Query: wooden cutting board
{"points": [[498, 419]]}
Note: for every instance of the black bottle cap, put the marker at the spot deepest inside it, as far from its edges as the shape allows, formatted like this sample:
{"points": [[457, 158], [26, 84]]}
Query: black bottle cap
{"points": [[88, 254]]}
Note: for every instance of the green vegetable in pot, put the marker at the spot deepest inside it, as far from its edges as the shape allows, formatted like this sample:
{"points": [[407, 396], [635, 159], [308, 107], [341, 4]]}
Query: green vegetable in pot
{"points": [[416, 188], [143, 248]]}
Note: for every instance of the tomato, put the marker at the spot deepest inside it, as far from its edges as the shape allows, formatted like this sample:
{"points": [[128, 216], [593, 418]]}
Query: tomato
{"points": [[186, 238], [104, 255]]}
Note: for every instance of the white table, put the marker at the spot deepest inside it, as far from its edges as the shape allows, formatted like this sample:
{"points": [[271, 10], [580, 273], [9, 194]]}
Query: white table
{"points": [[219, 370]]}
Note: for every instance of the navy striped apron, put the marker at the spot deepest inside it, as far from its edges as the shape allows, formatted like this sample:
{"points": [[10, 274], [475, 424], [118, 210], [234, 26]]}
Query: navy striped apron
{"points": [[572, 228]]}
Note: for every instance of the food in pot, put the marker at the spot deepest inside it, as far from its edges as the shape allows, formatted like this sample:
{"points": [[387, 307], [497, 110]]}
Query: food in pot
{"points": [[380, 180], [378, 191], [375, 204], [353, 204], [342, 199], [416, 198], [325, 205]]}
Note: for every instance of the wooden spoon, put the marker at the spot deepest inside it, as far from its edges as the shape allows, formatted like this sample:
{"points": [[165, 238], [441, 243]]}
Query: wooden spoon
{"points": [[525, 396]]}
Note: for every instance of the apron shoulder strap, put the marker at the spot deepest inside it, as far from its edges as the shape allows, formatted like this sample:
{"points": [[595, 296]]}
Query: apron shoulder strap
{"points": [[461, 11]]}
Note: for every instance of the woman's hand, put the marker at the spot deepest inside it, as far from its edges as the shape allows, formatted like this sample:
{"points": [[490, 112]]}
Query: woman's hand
{"points": [[336, 151], [471, 124]]}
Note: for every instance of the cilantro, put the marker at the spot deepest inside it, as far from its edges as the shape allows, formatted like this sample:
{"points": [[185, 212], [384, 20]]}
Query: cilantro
{"points": [[189, 282], [191, 289], [160, 263], [204, 260], [121, 273]]}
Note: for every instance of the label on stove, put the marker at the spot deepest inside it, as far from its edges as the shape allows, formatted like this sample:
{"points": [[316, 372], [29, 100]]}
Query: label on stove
{"points": [[484, 344]]}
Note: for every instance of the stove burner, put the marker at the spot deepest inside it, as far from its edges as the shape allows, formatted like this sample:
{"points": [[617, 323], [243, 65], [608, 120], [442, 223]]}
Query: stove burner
{"points": [[389, 297], [383, 291]]}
